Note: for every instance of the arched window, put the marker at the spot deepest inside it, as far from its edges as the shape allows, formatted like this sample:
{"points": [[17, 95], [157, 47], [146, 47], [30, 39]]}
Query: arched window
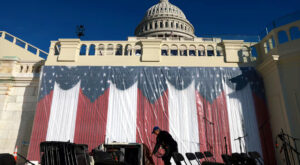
{"points": [[151, 26], [156, 26], [167, 24], [220, 51], [181, 27], [183, 50], [138, 50], [210, 50], [295, 33], [282, 37], [161, 25], [57, 49], [164, 50], [172, 24], [110, 49], [177, 26], [174, 50], [119, 50], [128, 50], [201, 50], [192, 50], [83, 50], [101, 49], [92, 50]]}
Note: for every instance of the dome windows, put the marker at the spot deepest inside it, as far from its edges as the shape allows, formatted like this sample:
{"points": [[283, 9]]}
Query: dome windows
{"points": [[163, 19]]}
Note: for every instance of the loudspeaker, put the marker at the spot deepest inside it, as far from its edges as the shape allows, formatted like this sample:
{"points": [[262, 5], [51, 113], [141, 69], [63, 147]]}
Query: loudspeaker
{"points": [[7, 159]]}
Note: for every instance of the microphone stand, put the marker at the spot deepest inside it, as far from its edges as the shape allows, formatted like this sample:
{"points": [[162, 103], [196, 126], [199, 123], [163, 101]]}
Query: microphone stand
{"points": [[295, 143], [282, 136], [210, 123], [226, 145], [240, 141]]}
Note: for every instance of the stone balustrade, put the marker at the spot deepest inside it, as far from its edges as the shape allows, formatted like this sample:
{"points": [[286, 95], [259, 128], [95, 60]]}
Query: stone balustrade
{"points": [[280, 40], [17, 41], [150, 49]]}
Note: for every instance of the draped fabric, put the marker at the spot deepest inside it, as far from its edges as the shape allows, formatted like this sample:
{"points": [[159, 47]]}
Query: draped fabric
{"points": [[213, 126], [39, 129], [121, 117], [204, 109], [150, 115], [63, 114], [242, 120], [91, 120], [183, 118]]}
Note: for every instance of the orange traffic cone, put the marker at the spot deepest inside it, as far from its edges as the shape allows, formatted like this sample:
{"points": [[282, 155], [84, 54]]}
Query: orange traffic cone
{"points": [[15, 153]]}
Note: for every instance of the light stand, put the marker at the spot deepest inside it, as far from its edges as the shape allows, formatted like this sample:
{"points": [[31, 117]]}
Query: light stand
{"points": [[240, 141]]}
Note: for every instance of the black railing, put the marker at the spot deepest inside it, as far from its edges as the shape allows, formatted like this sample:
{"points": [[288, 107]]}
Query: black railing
{"points": [[280, 22]]}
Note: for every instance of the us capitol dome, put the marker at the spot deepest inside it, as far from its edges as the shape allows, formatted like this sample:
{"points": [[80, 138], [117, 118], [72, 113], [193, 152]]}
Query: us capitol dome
{"points": [[165, 20]]}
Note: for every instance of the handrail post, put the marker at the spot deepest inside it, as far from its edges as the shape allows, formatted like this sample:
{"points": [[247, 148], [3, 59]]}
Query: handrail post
{"points": [[38, 52], [14, 40]]}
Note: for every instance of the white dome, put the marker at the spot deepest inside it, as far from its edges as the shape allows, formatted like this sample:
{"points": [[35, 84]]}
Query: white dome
{"points": [[165, 19], [164, 9]]}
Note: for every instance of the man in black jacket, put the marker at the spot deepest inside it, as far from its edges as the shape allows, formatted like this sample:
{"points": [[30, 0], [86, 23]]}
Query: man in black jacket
{"points": [[166, 141]]}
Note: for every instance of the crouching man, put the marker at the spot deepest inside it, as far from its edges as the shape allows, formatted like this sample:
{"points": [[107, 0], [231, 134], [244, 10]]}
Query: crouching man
{"points": [[166, 141]]}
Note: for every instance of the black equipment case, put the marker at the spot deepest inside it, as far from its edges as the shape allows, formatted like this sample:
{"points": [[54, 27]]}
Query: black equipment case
{"points": [[64, 153]]}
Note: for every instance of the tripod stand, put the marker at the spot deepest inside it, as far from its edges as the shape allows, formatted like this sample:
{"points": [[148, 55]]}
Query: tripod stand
{"points": [[240, 141], [285, 138]]}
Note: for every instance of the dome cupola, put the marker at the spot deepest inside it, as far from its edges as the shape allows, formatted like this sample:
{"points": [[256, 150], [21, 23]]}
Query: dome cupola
{"points": [[164, 20]]}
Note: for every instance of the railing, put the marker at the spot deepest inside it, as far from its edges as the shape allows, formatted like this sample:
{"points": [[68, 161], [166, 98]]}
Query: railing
{"points": [[17, 41], [246, 38], [279, 37], [29, 68], [280, 22]]}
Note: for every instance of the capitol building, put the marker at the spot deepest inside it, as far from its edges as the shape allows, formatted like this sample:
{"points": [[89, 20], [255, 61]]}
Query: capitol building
{"points": [[199, 89]]}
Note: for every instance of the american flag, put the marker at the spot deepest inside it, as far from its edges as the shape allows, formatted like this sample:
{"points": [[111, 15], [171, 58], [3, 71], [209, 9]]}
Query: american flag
{"points": [[96, 104]]}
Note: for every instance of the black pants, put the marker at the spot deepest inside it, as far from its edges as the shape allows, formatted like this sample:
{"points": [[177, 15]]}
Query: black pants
{"points": [[169, 150]]}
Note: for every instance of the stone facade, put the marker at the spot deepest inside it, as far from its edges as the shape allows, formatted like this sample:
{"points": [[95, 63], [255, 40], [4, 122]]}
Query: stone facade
{"points": [[279, 64], [19, 80]]}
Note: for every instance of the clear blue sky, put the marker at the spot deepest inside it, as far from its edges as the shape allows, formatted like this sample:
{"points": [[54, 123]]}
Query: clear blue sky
{"points": [[40, 21]]}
